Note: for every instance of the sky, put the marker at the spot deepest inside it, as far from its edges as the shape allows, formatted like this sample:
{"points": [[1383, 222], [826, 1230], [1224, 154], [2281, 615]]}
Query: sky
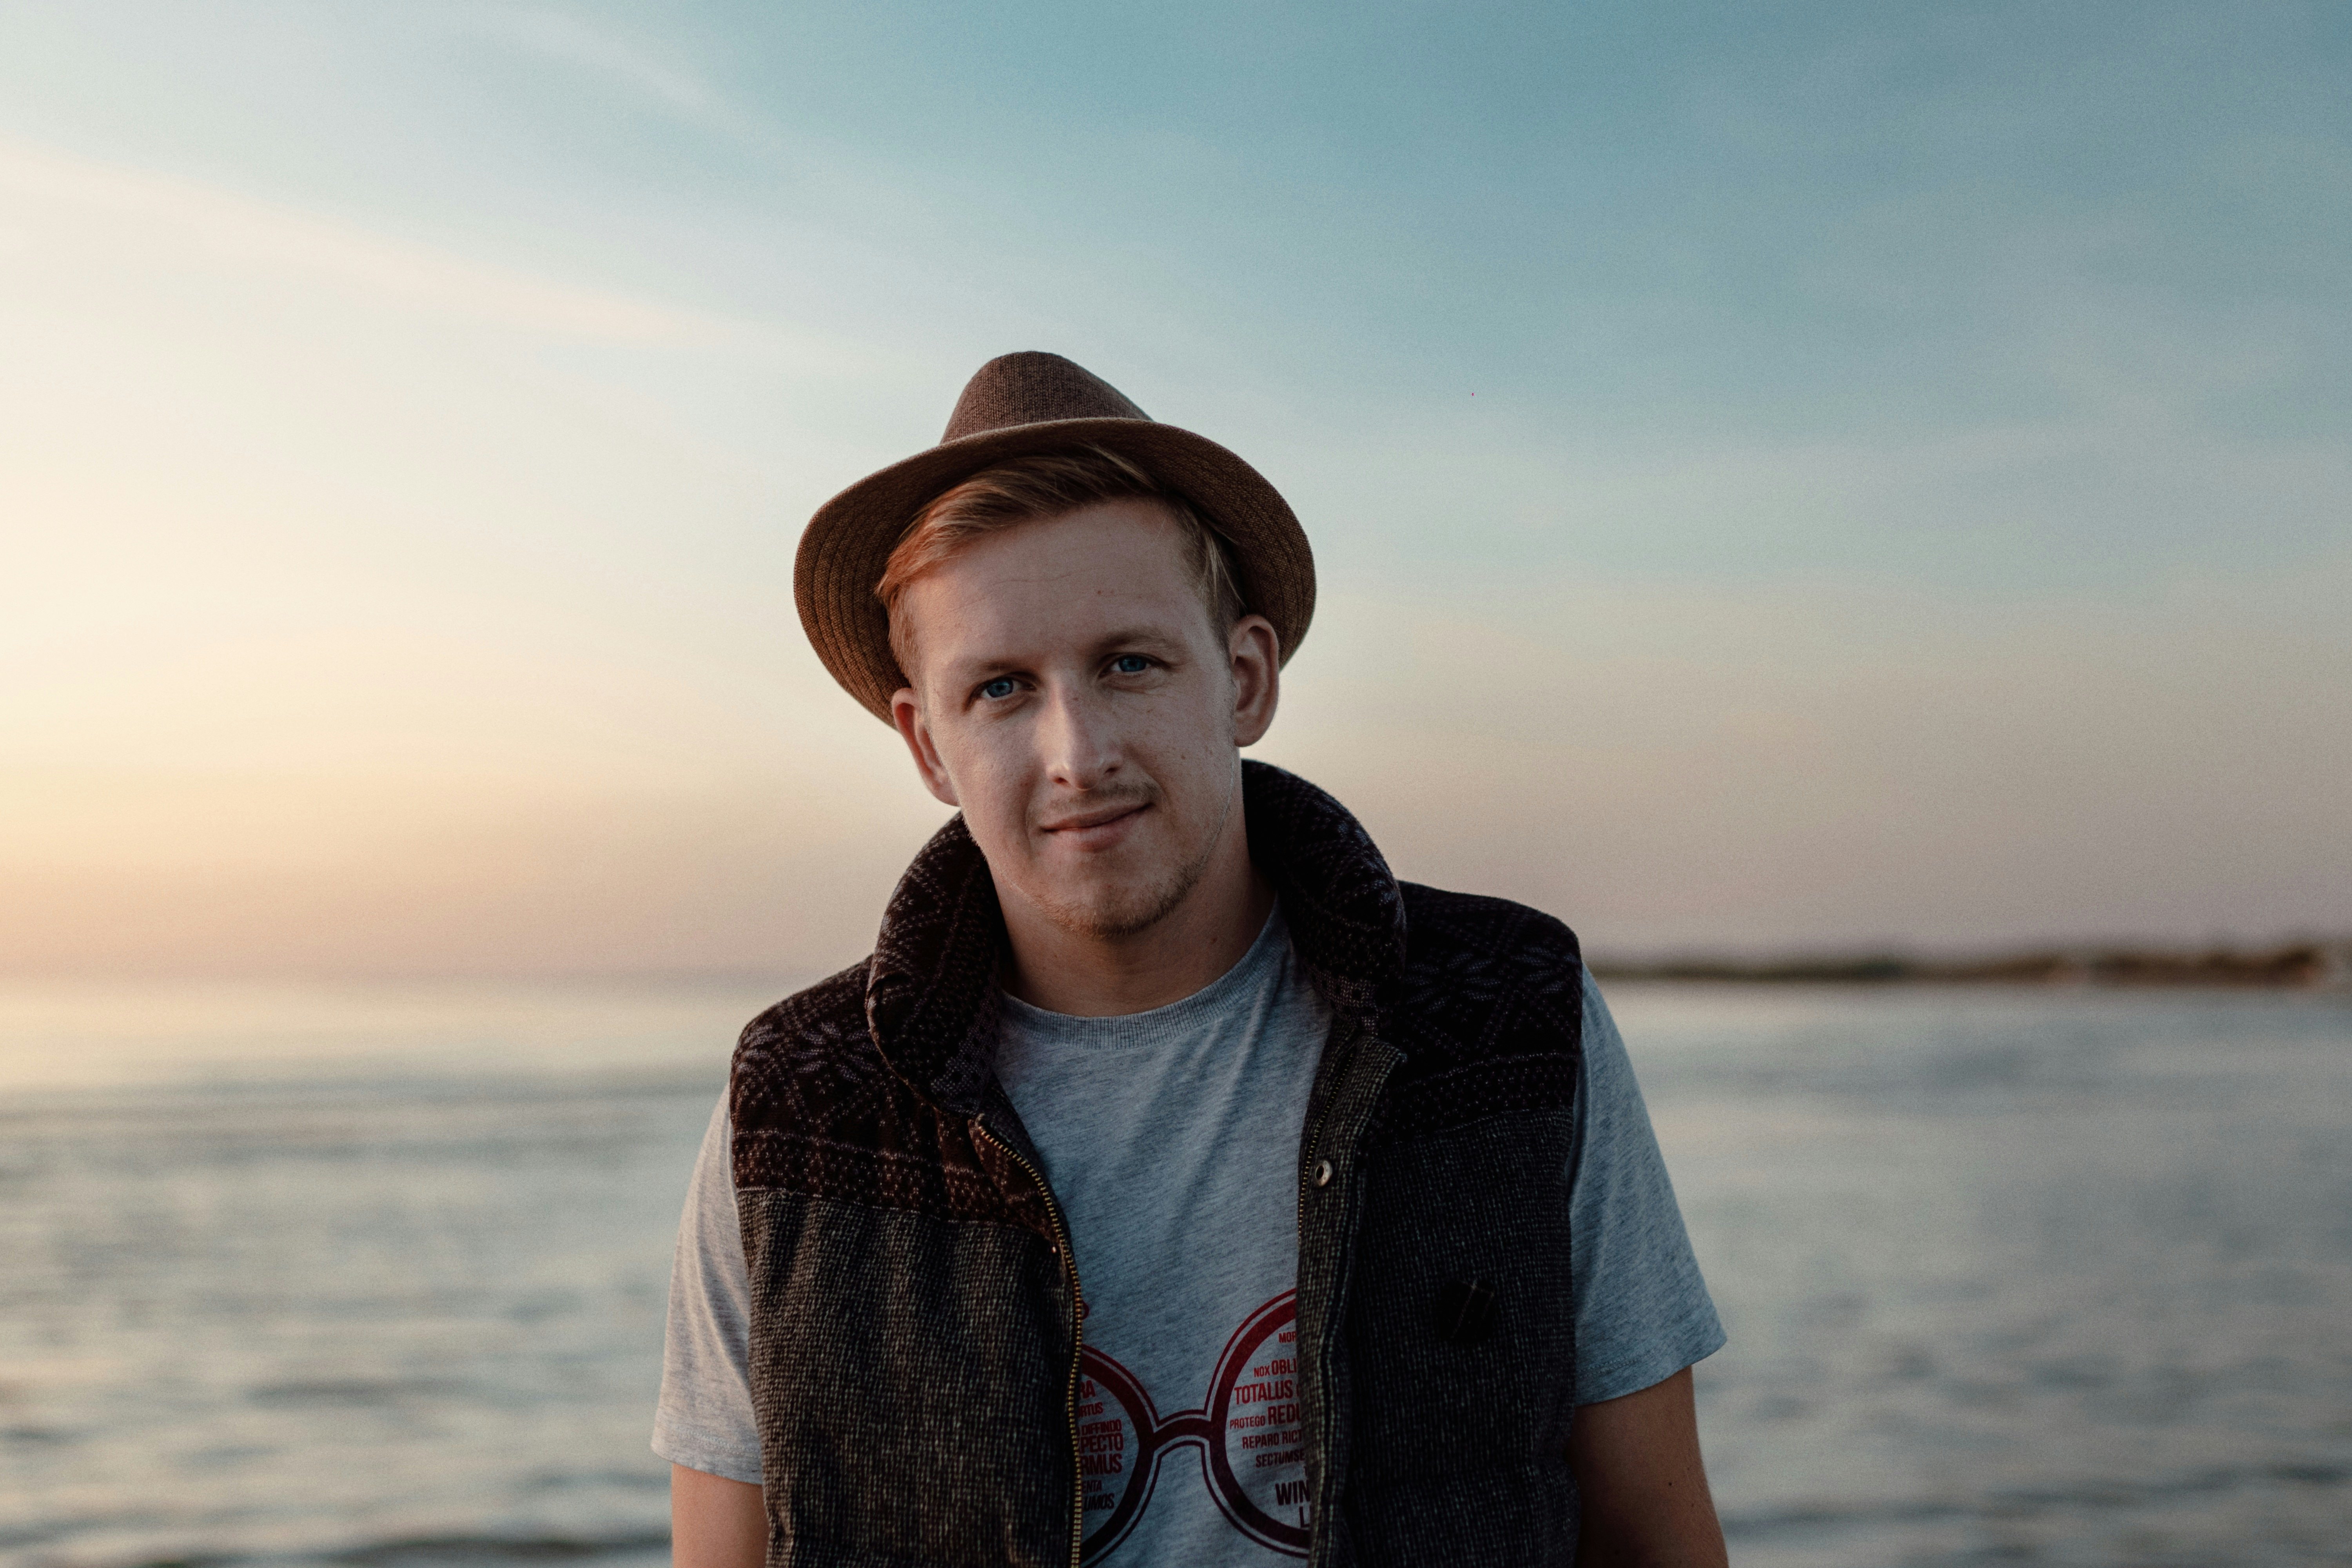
{"points": [[1781, 478]]}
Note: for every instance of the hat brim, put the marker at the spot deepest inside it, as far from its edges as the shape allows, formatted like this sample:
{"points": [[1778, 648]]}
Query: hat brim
{"points": [[848, 542]]}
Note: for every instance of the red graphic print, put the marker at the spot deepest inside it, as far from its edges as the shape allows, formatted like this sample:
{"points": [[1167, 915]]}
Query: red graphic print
{"points": [[1248, 1433]]}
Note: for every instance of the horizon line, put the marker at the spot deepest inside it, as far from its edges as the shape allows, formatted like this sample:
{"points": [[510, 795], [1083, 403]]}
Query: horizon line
{"points": [[1827, 961]]}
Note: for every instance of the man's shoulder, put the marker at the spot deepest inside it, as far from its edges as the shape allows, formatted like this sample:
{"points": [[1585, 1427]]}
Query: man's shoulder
{"points": [[818, 1110], [1488, 1013], [1488, 955], [800, 1060], [823, 1018]]}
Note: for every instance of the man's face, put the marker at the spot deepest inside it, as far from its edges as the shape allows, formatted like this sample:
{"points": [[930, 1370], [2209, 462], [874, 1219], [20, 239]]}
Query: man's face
{"points": [[1070, 696]]}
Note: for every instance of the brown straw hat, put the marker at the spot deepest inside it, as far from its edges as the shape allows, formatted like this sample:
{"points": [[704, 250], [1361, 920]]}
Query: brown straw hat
{"points": [[1016, 405]]}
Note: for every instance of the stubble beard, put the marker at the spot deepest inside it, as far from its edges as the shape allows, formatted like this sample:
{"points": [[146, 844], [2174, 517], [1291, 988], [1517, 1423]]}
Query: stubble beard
{"points": [[1122, 912]]}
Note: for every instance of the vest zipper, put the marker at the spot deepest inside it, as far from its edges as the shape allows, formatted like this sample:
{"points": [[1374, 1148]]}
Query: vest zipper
{"points": [[1313, 1155], [1077, 1335]]}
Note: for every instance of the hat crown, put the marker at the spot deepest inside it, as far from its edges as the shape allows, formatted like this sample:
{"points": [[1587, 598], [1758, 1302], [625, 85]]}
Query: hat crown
{"points": [[1032, 388]]}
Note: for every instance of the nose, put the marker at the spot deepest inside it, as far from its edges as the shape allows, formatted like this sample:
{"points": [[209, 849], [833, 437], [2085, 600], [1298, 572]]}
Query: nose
{"points": [[1078, 736]]}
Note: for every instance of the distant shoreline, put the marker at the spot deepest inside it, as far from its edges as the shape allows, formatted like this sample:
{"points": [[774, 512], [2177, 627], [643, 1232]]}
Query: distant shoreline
{"points": [[2292, 966]]}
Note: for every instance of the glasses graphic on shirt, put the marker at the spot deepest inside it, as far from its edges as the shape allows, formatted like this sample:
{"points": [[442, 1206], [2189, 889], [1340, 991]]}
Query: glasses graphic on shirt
{"points": [[1248, 1433]]}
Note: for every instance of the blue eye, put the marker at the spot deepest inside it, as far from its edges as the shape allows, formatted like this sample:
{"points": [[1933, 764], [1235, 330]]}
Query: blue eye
{"points": [[999, 688], [1130, 664]]}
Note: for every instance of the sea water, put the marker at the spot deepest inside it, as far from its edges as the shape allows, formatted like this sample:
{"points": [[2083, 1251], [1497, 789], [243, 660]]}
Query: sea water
{"points": [[2018, 1277], [374, 1275]]}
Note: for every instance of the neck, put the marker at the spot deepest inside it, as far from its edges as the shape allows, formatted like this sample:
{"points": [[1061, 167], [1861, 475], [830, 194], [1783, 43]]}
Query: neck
{"points": [[1105, 976]]}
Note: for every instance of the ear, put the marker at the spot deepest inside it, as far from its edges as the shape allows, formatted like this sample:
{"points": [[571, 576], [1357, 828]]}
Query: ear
{"points": [[1256, 651], [907, 713]]}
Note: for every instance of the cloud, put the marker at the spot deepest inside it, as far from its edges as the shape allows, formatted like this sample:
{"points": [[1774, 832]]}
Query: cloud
{"points": [[686, 97], [246, 233]]}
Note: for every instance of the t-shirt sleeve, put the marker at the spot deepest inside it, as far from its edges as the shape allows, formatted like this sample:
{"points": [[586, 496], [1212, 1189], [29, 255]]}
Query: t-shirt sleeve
{"points": [[1643, 1312], [704, 1420]]}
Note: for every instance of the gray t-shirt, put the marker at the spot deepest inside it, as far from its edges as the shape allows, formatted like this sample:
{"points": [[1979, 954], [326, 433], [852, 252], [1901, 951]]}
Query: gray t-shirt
{"points": [[1170, 1139]]}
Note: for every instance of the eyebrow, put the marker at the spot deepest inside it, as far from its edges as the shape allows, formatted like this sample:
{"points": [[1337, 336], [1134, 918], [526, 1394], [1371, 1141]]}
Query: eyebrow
{"points": [[1130, 636]]}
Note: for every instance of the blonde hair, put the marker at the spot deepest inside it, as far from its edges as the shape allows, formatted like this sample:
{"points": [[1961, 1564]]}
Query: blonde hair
{"points": [[1037, 488]]}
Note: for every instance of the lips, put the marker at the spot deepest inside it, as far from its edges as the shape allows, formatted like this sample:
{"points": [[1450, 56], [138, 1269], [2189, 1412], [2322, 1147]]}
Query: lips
{"points": [[1098, 829]]}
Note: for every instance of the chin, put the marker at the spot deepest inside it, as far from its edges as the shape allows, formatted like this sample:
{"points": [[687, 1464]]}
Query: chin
{"points": [[1109, 910]]}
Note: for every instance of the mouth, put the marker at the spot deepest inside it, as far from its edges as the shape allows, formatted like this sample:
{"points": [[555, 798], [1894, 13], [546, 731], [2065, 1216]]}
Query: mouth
{"points": [[1096, 829]]}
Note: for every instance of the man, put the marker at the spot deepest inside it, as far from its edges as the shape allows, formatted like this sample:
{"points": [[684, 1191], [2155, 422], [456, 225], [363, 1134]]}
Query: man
{"points": [[1172, 1185]]}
